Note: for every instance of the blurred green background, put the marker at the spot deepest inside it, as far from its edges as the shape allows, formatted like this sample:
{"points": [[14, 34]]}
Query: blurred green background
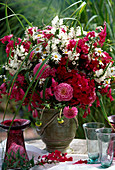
{"points": [[90, 13]]}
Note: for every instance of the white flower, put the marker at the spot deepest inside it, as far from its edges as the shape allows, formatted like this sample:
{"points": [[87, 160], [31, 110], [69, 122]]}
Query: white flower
{"points": [[55, 21], [107, 82], [100, 76], [38, 49], [71, 33], [99, 72], [101, 63], [70, 55], [56, 57], [41, 81], [110, 71], [98, 51], [53, 30], [22, 49], [28, 35], [54, 47], [76, 56], [73, 62]]}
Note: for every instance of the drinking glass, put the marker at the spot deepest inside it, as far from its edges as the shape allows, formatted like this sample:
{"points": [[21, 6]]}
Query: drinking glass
{"points": [[106, 141], [3, 136], [92, 141]]}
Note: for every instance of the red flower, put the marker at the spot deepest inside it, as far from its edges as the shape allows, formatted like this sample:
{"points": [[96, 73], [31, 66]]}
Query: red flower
{"points": [[6, 38], [102, 35], [80, 162], [48, 93], [35, 113]]}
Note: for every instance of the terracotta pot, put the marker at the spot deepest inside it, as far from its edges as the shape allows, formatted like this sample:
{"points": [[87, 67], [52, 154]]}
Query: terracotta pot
{"points": [[56, 136]]}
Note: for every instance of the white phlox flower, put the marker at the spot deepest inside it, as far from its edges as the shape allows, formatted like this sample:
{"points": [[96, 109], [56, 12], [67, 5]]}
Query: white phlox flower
{"points": [[41, 81], [70, 55], [73, 62], [98, 74], [110, 71], [53, 30], [56, 22], [71, 34], [34, 33]]}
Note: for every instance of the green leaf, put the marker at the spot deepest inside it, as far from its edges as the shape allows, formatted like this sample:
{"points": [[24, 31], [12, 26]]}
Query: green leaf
{"points": [[90, 20], [71, 6]]}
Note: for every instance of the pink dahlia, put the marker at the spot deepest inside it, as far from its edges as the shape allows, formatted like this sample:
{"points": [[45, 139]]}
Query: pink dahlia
{"points": [[70, 112], [63, 92], [44, 73]]}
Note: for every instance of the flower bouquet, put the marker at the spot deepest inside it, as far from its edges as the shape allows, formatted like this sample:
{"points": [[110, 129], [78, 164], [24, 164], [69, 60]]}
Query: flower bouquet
{"points": [[57, 67]]}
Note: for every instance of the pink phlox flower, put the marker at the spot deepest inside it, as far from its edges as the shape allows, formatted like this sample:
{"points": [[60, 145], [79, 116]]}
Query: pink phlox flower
{"points": [[104, 90], [44, 72], [90, 34], [85, 114], [54, 84], [36, 99], [9, 47], [53, 72], [26, 45], [63, 92], [71, 44], [48, 93], [47, 35], [98, 102], [48, 27], [63, 30], [29, 107], [19, 41], [109, 95], [102, 35], [20, 80], [81, 46], [35, 113], [6, 38], [3, 88], [84, 89], [30, 31], [70, 112], [17, 93]]}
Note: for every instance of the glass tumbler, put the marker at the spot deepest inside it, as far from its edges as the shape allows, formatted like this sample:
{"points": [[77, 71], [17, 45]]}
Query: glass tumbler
{"points": [[106, 141], [3, 136], [92, 141]]}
